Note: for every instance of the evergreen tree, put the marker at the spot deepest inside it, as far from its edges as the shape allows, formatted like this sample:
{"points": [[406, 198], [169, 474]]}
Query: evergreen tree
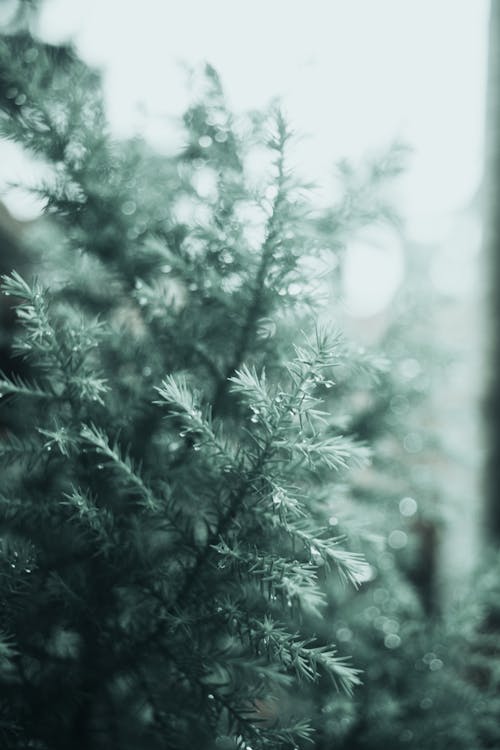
{"points": [[169, 473]]}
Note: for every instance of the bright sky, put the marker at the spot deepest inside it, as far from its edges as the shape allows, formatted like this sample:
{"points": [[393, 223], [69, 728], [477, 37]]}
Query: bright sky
{"points": [[353, 74]]}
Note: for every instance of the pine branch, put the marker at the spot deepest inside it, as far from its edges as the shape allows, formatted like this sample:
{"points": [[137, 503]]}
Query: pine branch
{"points": [[120, 461], [197, 425], [304, 659], [99, 520], [16, 449], [63, 439], [255, 309], [351, 566], [16, 385], [58, 350]]}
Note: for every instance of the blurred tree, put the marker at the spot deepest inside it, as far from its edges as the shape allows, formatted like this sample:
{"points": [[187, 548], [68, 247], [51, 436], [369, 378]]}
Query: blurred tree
{"points": [[13, 255], [10, 258], [430, 673]]}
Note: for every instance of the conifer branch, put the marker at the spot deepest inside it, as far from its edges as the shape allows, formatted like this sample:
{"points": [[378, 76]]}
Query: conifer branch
{"points": [[99, 520], [184, 403], [255, 309], [303, 658], [121, 461], [16, 385], [14, 448]]}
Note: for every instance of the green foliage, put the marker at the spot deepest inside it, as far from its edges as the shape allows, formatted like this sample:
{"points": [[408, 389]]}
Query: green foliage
{"points": [[171, 463], [185, 494]]}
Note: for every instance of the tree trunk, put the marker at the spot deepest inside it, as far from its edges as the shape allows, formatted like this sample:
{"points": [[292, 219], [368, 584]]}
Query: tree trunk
{"points": [[492, 265]]}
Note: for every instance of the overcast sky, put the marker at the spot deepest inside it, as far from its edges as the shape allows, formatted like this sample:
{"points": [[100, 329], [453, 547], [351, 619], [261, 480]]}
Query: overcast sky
{"points": [[354, 75]]}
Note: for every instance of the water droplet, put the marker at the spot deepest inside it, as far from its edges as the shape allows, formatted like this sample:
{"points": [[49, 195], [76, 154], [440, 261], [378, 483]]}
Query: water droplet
{"points": [[278, 498], [147, 371], [392, 640], [128, 208], [333, 520], [410, 368], [7, 294], [205, 141], [227, 257], [344, 634], [316, 555], [408, 506], [254, 418], [21, 99], [143, 301], [413, 443], [49, 448], [435, 665], [100, 466], [390, 626], [197, 447], [27, 570], [397, 539], [211, 697]]}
